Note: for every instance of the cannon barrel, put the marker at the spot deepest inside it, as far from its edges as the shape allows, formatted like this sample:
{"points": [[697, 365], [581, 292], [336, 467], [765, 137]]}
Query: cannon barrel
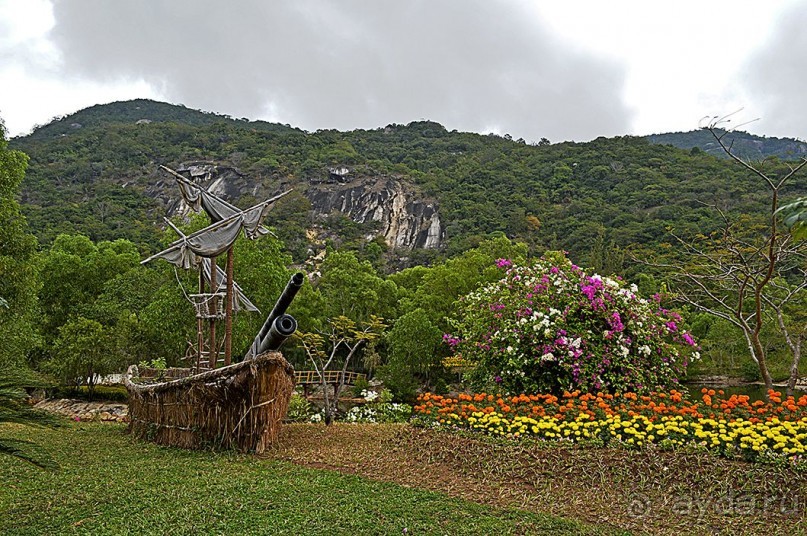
{"points": [[282, 328], [279, 310]]}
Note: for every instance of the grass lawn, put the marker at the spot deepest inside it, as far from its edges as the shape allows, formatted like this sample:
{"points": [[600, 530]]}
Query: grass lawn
{"points": [[110, 484]]}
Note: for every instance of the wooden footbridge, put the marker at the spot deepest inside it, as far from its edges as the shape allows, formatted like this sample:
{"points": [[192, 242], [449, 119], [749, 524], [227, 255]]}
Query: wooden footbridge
{"points": [[307, 378]]}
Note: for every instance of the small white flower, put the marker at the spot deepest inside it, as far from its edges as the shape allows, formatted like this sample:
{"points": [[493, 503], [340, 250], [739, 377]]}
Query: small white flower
{"points": [[549, 356], [547, 332]]}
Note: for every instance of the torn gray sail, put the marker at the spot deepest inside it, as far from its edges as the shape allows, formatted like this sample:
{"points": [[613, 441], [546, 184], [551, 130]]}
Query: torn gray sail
{"points": [[216, 238], [217, 209]]}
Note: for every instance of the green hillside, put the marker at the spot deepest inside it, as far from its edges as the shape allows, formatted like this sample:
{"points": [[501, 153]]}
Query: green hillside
{"points": [[143, 110], [590, 199]]}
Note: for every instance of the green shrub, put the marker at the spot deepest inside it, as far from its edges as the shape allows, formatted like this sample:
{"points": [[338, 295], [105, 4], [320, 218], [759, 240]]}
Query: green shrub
{"points": [[300, 409], [360, 385], [750, 370]]}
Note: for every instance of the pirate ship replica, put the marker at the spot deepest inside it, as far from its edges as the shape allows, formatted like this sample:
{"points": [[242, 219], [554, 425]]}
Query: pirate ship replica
{"points": [[215, 401]]}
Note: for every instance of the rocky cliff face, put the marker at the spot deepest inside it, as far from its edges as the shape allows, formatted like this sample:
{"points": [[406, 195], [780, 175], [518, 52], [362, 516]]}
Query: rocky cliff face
{"points": [[405, 220]]}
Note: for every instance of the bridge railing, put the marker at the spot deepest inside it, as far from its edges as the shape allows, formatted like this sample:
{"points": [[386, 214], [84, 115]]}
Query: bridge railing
{"points": [[309, 377]]}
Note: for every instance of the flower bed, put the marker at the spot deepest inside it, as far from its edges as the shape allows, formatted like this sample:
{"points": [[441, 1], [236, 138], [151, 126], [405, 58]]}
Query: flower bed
{"points": [[731, 426]]}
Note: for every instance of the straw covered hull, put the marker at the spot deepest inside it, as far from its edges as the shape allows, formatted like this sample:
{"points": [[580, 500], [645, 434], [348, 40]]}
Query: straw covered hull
{"points": [[239, 406]]}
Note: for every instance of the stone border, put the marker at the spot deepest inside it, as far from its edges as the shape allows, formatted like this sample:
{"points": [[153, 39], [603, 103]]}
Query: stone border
{"points": [[82, 410]]}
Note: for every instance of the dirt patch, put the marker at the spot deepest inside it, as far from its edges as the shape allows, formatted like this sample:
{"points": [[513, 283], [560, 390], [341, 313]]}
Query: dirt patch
{"points": [[654, 491]]}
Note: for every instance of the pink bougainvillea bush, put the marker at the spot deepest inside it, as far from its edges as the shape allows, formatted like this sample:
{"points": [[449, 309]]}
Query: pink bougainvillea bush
{"points": [[549, 327]]}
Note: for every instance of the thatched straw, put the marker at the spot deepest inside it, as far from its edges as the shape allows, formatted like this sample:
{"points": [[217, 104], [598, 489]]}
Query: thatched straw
{"points": [[239, 406]]}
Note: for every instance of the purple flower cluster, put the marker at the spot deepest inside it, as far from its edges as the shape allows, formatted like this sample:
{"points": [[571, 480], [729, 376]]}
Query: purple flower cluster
{"points": [[549, 326]]}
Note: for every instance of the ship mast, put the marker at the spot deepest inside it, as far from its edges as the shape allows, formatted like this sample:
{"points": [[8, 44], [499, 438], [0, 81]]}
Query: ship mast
{"points": [[201, 249]]}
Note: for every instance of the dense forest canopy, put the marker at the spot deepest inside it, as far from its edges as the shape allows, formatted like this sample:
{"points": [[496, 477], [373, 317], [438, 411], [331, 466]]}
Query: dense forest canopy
{"points": [[89, 173]]}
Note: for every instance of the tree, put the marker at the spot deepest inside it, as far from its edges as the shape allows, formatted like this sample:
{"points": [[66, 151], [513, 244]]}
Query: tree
{"points": [[74, 274], [336, 345], [352, 288], [748, 272], [795, 217], [412, 345], [84, 352], [18, 288], [19, 276], [436, 289]]}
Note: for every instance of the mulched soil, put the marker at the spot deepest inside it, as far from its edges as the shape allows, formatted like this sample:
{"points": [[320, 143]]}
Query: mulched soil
{"points": [[648, 491]]}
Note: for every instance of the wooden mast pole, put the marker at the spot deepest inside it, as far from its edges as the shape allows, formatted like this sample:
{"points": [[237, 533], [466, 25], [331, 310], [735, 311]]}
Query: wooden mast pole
{"points": [[228, 312], [200, 325], [214, 354]]}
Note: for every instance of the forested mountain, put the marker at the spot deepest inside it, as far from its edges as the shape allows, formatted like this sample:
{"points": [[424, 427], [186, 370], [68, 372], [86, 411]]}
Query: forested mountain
{"points": [[746, 145], [139, 110], [96, 172]]}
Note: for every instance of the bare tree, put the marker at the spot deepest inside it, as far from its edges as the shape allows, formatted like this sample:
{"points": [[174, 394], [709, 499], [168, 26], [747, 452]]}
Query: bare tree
{"points": [[747, 273]]}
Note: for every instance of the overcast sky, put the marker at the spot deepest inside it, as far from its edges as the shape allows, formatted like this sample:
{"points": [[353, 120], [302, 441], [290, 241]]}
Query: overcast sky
{"points": [[564, 70]]}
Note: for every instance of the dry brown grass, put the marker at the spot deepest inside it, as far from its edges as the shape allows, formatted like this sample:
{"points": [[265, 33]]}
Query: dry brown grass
{"points": [[653, 491]]}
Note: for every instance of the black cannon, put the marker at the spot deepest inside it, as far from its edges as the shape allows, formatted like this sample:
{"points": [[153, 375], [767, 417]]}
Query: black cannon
{"points": [[279, 326]]}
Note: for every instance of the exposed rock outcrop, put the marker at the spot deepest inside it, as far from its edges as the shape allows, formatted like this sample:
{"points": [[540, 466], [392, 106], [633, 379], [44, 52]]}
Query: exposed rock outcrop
{"points": [[406, 222]]}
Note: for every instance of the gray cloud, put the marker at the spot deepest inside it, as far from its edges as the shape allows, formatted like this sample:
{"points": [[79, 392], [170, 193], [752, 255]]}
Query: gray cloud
{"points": [[470, 65], [776, 75]]}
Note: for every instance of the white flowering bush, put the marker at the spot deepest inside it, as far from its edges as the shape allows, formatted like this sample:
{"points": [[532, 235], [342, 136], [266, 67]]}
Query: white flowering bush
{"points": [[383, 412], [549, 327], [379, 409], [369, 395]]}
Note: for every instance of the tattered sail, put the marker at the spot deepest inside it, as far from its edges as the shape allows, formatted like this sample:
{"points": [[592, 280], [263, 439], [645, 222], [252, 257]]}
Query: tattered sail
{"points": [[241, 302], [217, 209], [217, 238]]}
